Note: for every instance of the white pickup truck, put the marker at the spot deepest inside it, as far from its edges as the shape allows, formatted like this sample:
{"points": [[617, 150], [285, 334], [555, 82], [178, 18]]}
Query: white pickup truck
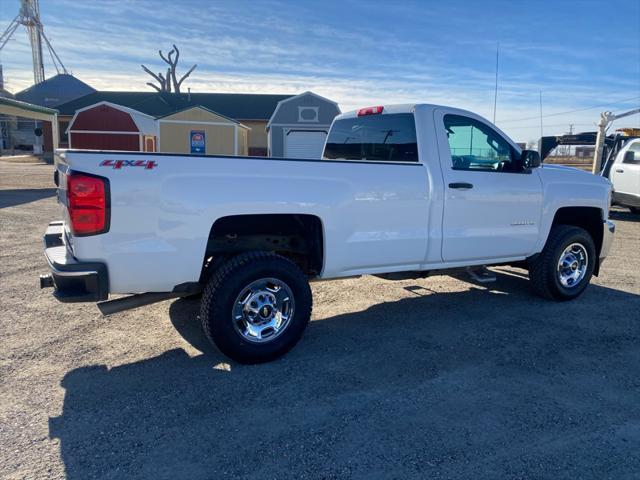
{"points": [[624, 173], [401, 191]]}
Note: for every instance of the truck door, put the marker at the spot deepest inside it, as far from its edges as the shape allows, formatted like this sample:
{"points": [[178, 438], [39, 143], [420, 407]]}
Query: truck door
{"points": [[380, 223], [625, 173], [492, 209]]}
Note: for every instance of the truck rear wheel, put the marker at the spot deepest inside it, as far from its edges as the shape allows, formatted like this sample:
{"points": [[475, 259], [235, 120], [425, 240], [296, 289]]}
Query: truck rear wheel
{"points": [[256, 307], [564, 267]]}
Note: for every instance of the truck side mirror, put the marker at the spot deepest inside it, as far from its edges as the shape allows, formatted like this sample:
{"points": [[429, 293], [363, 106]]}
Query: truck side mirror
{"points": [[530, 159]]}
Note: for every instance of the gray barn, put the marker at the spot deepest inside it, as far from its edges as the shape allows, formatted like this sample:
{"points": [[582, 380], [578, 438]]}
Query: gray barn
{"points": [[299, 126]]}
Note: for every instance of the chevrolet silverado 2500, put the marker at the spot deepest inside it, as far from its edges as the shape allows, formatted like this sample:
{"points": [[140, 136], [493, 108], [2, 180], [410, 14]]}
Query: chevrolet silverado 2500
{"points": [[399, 192]]}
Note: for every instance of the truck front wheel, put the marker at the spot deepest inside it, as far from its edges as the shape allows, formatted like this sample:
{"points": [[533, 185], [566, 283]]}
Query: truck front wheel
{"points": [[564, 267], [256, 307]]}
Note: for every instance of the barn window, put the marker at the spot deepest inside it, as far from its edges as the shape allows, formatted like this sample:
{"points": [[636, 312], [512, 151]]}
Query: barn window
{"points": [[308, 114]]}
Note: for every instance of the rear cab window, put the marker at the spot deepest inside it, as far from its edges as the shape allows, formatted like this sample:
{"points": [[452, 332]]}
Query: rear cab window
{"points": [[383, 137]]}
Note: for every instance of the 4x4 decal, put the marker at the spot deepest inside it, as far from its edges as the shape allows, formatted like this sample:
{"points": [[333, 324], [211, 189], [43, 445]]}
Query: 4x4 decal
{"points": [[118, 164]]}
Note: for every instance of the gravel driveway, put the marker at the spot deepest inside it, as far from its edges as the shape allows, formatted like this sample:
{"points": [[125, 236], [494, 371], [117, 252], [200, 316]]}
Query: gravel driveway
{"points": [[433, 378]]}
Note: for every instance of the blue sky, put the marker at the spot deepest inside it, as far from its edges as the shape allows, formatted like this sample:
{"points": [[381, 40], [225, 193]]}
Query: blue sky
{"points": [[580, 54]]}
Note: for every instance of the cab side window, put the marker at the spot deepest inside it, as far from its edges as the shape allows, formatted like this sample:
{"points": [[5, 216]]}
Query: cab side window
{"points": [[476, 146], [633, 154]]}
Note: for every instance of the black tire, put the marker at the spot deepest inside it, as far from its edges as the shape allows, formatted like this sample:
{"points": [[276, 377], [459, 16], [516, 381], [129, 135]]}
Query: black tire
{"points": [[634, 209], [543, 270], [222, 290]]}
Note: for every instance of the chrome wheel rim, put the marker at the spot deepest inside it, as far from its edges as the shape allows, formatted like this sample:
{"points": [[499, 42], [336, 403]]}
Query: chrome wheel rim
{"points": [[263, 310], [572, 266]]}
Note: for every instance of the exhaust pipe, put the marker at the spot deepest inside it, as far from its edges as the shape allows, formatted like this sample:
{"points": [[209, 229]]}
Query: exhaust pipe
{"points": [[134, 301], [46, 281]]}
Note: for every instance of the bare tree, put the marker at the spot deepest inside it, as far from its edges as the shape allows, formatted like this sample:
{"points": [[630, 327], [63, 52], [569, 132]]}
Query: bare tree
{"points": [[169, 81]]}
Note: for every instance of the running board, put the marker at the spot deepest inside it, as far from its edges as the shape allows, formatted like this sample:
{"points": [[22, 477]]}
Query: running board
{"points": [[110, 307], [141, 299], [481, 274]]}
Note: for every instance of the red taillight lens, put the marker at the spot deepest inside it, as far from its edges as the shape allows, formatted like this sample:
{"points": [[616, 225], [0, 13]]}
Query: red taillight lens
{"points": [[370, 111], [87, 204]]}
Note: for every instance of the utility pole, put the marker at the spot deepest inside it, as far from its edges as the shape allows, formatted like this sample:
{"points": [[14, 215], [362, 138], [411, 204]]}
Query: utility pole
{"points": [[495, 95], [541, 133], [567, 151]]}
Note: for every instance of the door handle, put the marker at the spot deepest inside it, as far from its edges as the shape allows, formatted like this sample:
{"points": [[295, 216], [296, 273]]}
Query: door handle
{"points": [[619, 170], [460, 185]]}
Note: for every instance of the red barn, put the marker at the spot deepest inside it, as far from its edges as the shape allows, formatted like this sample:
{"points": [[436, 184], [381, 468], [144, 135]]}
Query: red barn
{"points": [[107, 126]]}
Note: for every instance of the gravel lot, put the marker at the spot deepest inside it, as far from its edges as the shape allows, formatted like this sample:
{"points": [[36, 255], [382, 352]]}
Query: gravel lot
{"points": [[390, 380]]}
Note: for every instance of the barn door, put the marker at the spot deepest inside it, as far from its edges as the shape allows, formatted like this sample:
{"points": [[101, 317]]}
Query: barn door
{"points": [[304, 143], [149, 143]]}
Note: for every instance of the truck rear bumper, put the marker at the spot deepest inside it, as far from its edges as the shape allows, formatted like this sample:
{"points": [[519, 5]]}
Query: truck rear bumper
{"points": [[73, 281]]}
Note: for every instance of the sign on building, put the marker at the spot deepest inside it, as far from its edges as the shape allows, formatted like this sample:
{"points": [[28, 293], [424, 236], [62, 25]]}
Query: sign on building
{"points": [[197, 141]]}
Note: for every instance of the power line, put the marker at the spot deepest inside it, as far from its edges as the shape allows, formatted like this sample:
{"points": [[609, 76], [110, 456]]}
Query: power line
{"points": [[555, 125], [570, 111]]}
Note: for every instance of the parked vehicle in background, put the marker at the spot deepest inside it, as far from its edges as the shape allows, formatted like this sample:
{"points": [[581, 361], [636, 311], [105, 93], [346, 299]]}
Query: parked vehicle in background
{"points": [[624, 173], [619, 159], [402, 191]]}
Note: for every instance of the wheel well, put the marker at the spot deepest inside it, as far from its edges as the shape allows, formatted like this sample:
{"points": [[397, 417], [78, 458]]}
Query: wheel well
{"points": [[295, 236], [588, 218]]}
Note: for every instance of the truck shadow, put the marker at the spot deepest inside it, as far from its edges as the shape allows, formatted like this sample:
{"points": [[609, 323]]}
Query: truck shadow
{"points": [[624, 215], [486, 380], [11, 198]]}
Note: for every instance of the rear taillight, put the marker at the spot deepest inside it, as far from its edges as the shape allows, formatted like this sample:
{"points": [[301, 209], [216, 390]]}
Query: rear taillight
{"points": [[87, 202], [370, 111]]}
